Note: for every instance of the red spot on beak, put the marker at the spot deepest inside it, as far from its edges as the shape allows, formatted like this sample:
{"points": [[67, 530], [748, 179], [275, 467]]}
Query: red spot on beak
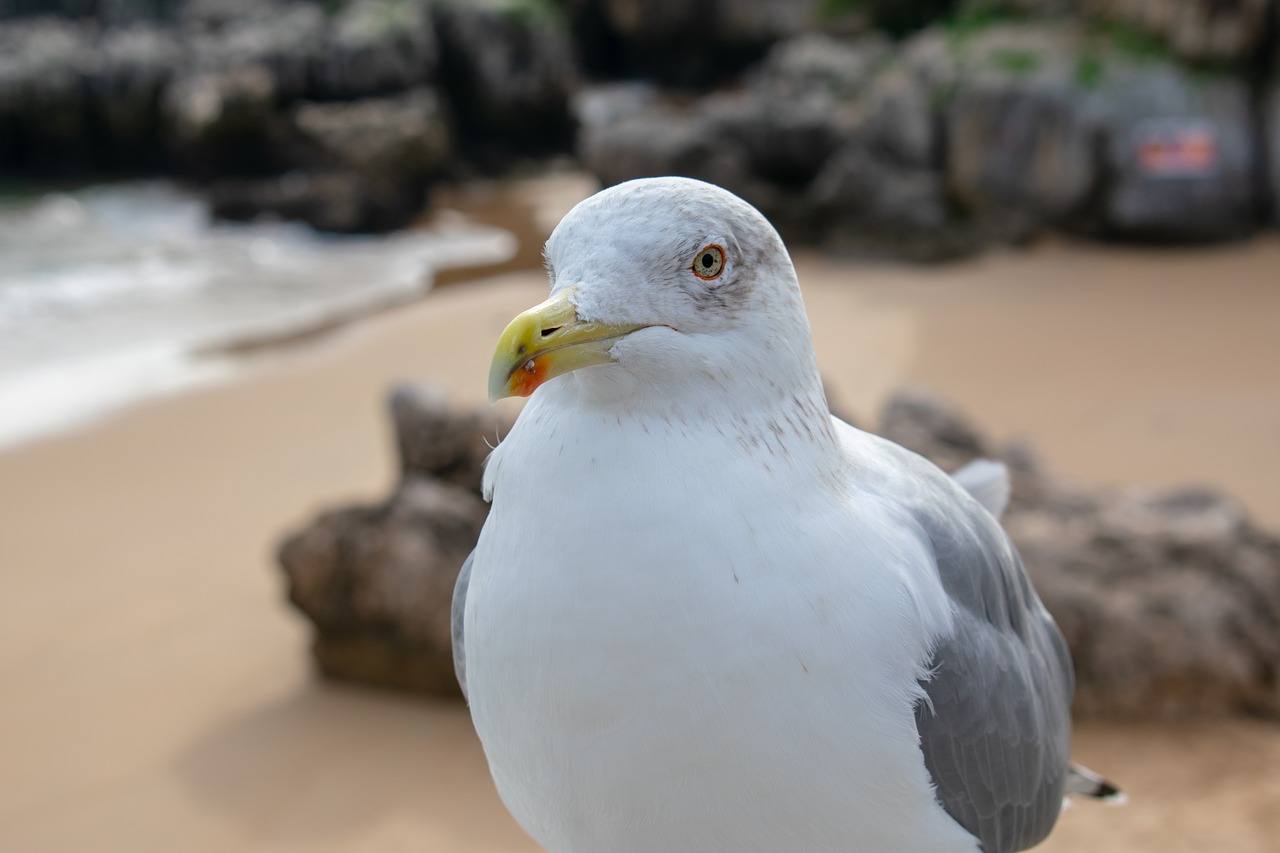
{"points": [[529, 376]]}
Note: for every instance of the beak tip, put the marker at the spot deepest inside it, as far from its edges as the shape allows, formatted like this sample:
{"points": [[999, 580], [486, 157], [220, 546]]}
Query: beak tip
{"points": [[499, 388]]}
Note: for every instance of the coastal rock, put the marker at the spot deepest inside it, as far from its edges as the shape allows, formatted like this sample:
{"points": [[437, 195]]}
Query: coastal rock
{"points": [[926, 424], [436, 439], [1180, 152], [376, 47], [1169, 599], [377, 581], [1019, 131], [136, 65], [222, 122], [510, 74], [364, 165], [284, 40], [652, 39], [901, 122], [870, 205], [43, 100], [1272, 136], [1019, 145], [824, 140], [340, 201], [1199, 30], [400, 137], [840, 68], [660, 138]]}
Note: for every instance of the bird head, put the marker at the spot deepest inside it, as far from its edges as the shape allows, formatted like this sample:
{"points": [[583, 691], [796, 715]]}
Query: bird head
{"points": [[658, 283]]}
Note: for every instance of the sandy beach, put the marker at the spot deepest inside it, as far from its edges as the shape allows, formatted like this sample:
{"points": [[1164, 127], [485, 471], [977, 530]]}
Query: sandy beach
{"points": [[157, 689]]}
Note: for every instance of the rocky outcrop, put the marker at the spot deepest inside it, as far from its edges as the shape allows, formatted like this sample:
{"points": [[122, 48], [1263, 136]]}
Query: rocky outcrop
{"points": [[1198, 30], [1169, 600], [44, 109], [986, 121], [1271, 124], [511, 75], [275, 103], [957, 139], [376, 47], [377, 581], [683, 43], [1181, 156], [365, 164]]}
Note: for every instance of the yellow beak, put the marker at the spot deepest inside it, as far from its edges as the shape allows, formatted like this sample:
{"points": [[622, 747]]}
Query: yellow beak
{"points": [[546, 341]]}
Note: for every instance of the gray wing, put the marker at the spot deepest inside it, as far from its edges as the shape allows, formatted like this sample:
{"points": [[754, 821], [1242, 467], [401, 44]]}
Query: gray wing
{"points": [[457, 618], [995, 729]]}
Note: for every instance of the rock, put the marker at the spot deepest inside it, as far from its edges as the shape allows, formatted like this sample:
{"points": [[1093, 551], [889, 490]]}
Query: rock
{"points": [[435, 439], [1055, 125], [284, 40], [1034, 8], [510, 75], [222, 122], [377, 582], [44, 105], [341, 201], [362, 166], [816, 63], [1014, 144], [871, 205], [786, 141], [901, 122], [136, 64], [925, 424], [798, 107], [900, 17], [376, 47], [1169, 600], [1180, 154], [404, 137], [1019, 134], [1199, 30], [1271, 121], [682, 43], [774, 142], [661, 139]]}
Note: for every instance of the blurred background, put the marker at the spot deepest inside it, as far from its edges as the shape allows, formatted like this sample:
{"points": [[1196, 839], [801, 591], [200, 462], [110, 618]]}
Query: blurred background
{"points": [[254, 255]]}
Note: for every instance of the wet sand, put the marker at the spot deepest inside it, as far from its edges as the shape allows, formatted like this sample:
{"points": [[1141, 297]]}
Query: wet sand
{"points": [[157, 693]]}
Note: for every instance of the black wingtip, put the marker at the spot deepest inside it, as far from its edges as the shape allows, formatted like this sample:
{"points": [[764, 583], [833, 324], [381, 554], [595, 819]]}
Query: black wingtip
{"points": [[1106, 791], [1083, 782]]}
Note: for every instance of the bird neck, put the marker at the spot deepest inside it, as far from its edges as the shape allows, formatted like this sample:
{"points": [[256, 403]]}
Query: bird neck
{"points": [[782, 425]]}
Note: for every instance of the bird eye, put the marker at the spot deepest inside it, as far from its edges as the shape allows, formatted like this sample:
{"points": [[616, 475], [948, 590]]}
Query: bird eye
{"points": [[709, 262]]}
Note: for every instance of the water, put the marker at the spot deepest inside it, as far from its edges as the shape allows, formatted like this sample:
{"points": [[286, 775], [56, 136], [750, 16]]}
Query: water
{"points": [[114, 293]]}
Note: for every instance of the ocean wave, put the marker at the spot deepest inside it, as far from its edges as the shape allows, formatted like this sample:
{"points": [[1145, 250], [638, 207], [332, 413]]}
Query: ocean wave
{"points": [[112, 294]]}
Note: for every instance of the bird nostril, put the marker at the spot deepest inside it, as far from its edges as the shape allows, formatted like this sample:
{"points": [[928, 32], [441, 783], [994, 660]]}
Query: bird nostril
{"points": [[551, 331]]}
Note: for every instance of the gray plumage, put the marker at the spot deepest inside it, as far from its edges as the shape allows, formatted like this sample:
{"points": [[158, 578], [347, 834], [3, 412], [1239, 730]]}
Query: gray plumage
{"points": [[456, 613], [995, 728]]}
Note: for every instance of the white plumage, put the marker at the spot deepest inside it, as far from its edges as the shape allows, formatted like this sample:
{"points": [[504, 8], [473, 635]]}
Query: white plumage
{"points": [[703, 613]]}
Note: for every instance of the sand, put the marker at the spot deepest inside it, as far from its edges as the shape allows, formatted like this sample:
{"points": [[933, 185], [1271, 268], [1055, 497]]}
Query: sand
{"points": [[157, 694]]}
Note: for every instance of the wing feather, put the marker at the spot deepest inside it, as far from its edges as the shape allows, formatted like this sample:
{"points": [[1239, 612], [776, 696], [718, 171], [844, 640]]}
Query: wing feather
{"points": [[458, 619], [995, 726]]}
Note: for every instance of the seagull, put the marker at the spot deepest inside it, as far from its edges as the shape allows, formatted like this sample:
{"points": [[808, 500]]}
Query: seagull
{"points": [[704, 614]]}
